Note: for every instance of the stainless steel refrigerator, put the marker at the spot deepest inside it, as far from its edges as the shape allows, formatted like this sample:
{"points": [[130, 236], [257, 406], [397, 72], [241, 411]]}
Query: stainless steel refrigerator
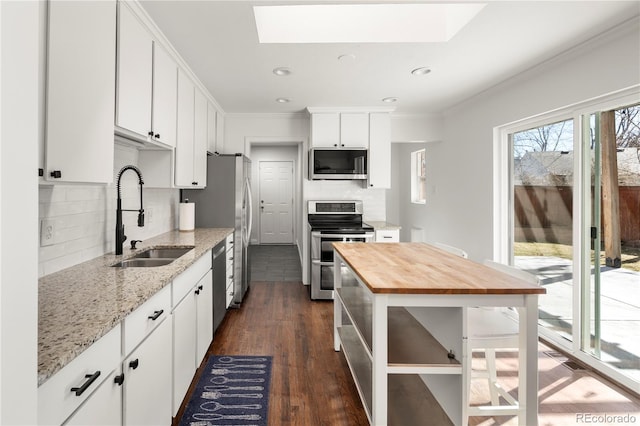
{"points": [[226, 203]]}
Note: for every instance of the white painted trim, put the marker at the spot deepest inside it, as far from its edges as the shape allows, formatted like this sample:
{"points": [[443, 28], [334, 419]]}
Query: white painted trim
{"points": [[313, 110]]}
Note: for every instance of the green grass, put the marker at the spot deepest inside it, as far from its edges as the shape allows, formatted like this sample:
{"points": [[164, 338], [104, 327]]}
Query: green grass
{"points": [[630, 255]]}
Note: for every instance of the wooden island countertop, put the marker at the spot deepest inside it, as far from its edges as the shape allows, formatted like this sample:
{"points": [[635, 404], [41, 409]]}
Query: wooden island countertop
{"points": [[418, 268]]}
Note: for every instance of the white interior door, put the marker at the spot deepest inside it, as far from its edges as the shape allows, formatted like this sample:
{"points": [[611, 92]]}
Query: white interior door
{"points": [[276, 202]]}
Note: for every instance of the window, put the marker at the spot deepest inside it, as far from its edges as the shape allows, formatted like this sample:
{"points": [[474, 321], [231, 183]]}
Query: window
{"points": [[418, 177]]}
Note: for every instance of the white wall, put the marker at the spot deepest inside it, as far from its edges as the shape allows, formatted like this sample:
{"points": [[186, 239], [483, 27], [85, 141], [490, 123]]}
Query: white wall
{"points": [[460, 211], [19, 122]]}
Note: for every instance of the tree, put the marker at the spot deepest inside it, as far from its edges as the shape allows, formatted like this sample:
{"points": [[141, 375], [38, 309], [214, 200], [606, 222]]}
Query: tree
{"points": [[551, 137], [628, 127]]}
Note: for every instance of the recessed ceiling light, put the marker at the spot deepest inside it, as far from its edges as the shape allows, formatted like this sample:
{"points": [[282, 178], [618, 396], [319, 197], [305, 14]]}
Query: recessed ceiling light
{"points": [[421, 71], [282, 71], [283, 100], [347, 57], [390, 99]]}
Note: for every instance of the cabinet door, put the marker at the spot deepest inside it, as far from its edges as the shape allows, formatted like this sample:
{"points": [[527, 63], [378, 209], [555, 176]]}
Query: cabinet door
{"points": [[184, 348], [325, 129], [200, 141], [147, 384], [165, 96], [380, 150], [219, 132], [134, 74], [103, 407], [80, 86], [354, 130], [204, 323], [184, 142], [211, 128]]}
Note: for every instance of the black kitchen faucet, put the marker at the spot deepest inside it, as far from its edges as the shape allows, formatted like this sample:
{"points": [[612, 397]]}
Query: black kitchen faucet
{"points": [[120, 237]]}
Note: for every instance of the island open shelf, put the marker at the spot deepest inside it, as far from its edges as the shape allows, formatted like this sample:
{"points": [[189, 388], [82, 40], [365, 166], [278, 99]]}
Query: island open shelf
{"points": [[402, 328], [412, 349]]}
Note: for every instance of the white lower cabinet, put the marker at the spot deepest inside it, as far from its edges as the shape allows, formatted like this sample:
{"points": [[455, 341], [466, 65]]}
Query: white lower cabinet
{"points": [[103, 407], [184, 348], [204, 321], [147, 385], [140, 371], [192, 318]]}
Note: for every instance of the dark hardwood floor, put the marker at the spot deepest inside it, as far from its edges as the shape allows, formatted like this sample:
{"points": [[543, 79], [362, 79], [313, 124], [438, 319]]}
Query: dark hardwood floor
{"points": [[310, 382]]}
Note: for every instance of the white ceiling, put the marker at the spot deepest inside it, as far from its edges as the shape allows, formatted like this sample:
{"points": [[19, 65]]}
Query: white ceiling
{"points": [[218, 39]]}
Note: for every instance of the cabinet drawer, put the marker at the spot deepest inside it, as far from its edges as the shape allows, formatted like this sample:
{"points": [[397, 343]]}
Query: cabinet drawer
{"points": [[141, 322], [183, 283], [388, 236], [229, 241], [56, 400]]}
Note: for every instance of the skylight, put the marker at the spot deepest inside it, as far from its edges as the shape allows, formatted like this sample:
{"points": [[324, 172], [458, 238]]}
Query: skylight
{"points": [[363, 23]]}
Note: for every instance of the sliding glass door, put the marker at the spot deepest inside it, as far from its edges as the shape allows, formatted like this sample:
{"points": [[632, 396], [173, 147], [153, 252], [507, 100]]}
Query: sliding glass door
{"points": [[573, 218], [543, 197], [611, 297]]}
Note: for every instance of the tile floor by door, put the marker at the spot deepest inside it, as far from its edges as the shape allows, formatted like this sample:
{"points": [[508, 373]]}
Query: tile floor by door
{"points": [[275, 263]]}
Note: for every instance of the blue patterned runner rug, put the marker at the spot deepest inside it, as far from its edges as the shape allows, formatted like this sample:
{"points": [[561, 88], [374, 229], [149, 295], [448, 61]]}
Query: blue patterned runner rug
{"points": [[233, 390]]}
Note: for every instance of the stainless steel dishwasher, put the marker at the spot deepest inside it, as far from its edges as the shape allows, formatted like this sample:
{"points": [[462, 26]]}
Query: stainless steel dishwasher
{"points": [[219, 284]]}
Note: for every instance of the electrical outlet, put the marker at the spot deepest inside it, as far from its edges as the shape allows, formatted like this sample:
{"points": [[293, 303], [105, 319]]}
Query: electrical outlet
{"points": [[47, 231]]}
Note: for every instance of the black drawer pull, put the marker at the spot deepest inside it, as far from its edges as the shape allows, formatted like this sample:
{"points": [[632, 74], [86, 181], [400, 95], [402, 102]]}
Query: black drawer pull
{"points": [[200, 287], [92, 378], [134, 364], [119, 379], [197, 291], [156, 315]]}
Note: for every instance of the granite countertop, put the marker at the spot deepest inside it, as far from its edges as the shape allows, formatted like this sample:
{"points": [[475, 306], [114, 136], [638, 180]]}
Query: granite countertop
{"points": [[80, 304], [383, 226]]}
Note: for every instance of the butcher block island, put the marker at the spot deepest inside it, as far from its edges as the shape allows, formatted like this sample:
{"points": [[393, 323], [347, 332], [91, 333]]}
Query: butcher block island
{"points": [[400, 317]]}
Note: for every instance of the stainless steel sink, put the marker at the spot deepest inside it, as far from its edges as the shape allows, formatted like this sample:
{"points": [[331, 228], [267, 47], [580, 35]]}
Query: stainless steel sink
{"points": [[163, 253], [151, 257], [142, 263]]}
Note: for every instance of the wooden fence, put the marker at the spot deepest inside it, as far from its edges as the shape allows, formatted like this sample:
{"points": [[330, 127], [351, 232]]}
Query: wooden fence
{"points": [[544, 213]]}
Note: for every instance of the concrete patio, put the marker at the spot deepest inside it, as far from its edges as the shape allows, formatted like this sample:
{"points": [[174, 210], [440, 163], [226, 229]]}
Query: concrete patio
{"points": [[620, 308]]}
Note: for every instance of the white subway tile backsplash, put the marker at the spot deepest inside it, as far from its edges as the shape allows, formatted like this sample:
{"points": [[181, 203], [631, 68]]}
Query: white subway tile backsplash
{"points": [[84, 216]]}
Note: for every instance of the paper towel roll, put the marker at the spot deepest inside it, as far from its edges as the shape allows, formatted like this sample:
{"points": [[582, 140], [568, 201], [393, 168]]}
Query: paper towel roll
{"points": [[187, 216]]}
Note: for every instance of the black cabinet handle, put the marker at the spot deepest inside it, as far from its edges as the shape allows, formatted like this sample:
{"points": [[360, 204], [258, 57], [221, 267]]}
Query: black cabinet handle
{"points": [[134, 364], [56, 174], [119, 379], [194, 183], [156, 315], [197, 292], [200, 287], [92, 378], [150, 133], [157, 136], [335, 144]]}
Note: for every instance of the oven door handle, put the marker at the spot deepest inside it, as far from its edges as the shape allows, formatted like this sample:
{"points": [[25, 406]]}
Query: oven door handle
{"points": [[366, 236], [321, 263]]}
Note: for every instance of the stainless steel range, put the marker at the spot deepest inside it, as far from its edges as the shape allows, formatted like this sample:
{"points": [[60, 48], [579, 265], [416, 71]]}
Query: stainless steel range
{"points": [[329, 222]]}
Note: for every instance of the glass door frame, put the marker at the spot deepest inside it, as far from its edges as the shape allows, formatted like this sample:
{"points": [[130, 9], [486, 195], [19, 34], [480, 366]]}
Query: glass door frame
{"points": [[503, 205]]}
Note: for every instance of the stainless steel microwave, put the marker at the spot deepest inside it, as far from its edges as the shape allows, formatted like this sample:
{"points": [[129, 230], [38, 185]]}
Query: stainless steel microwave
{"points": [[338, 163]]}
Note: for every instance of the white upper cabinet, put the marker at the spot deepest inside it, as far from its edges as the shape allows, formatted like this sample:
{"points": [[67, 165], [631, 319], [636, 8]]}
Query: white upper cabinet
{"points": [[325, 129], [211, 129], [80, 86], [165, 96], [147, 84], [184, 141], [200, 140], [379, 150], [191, 144], [354, 130]]}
